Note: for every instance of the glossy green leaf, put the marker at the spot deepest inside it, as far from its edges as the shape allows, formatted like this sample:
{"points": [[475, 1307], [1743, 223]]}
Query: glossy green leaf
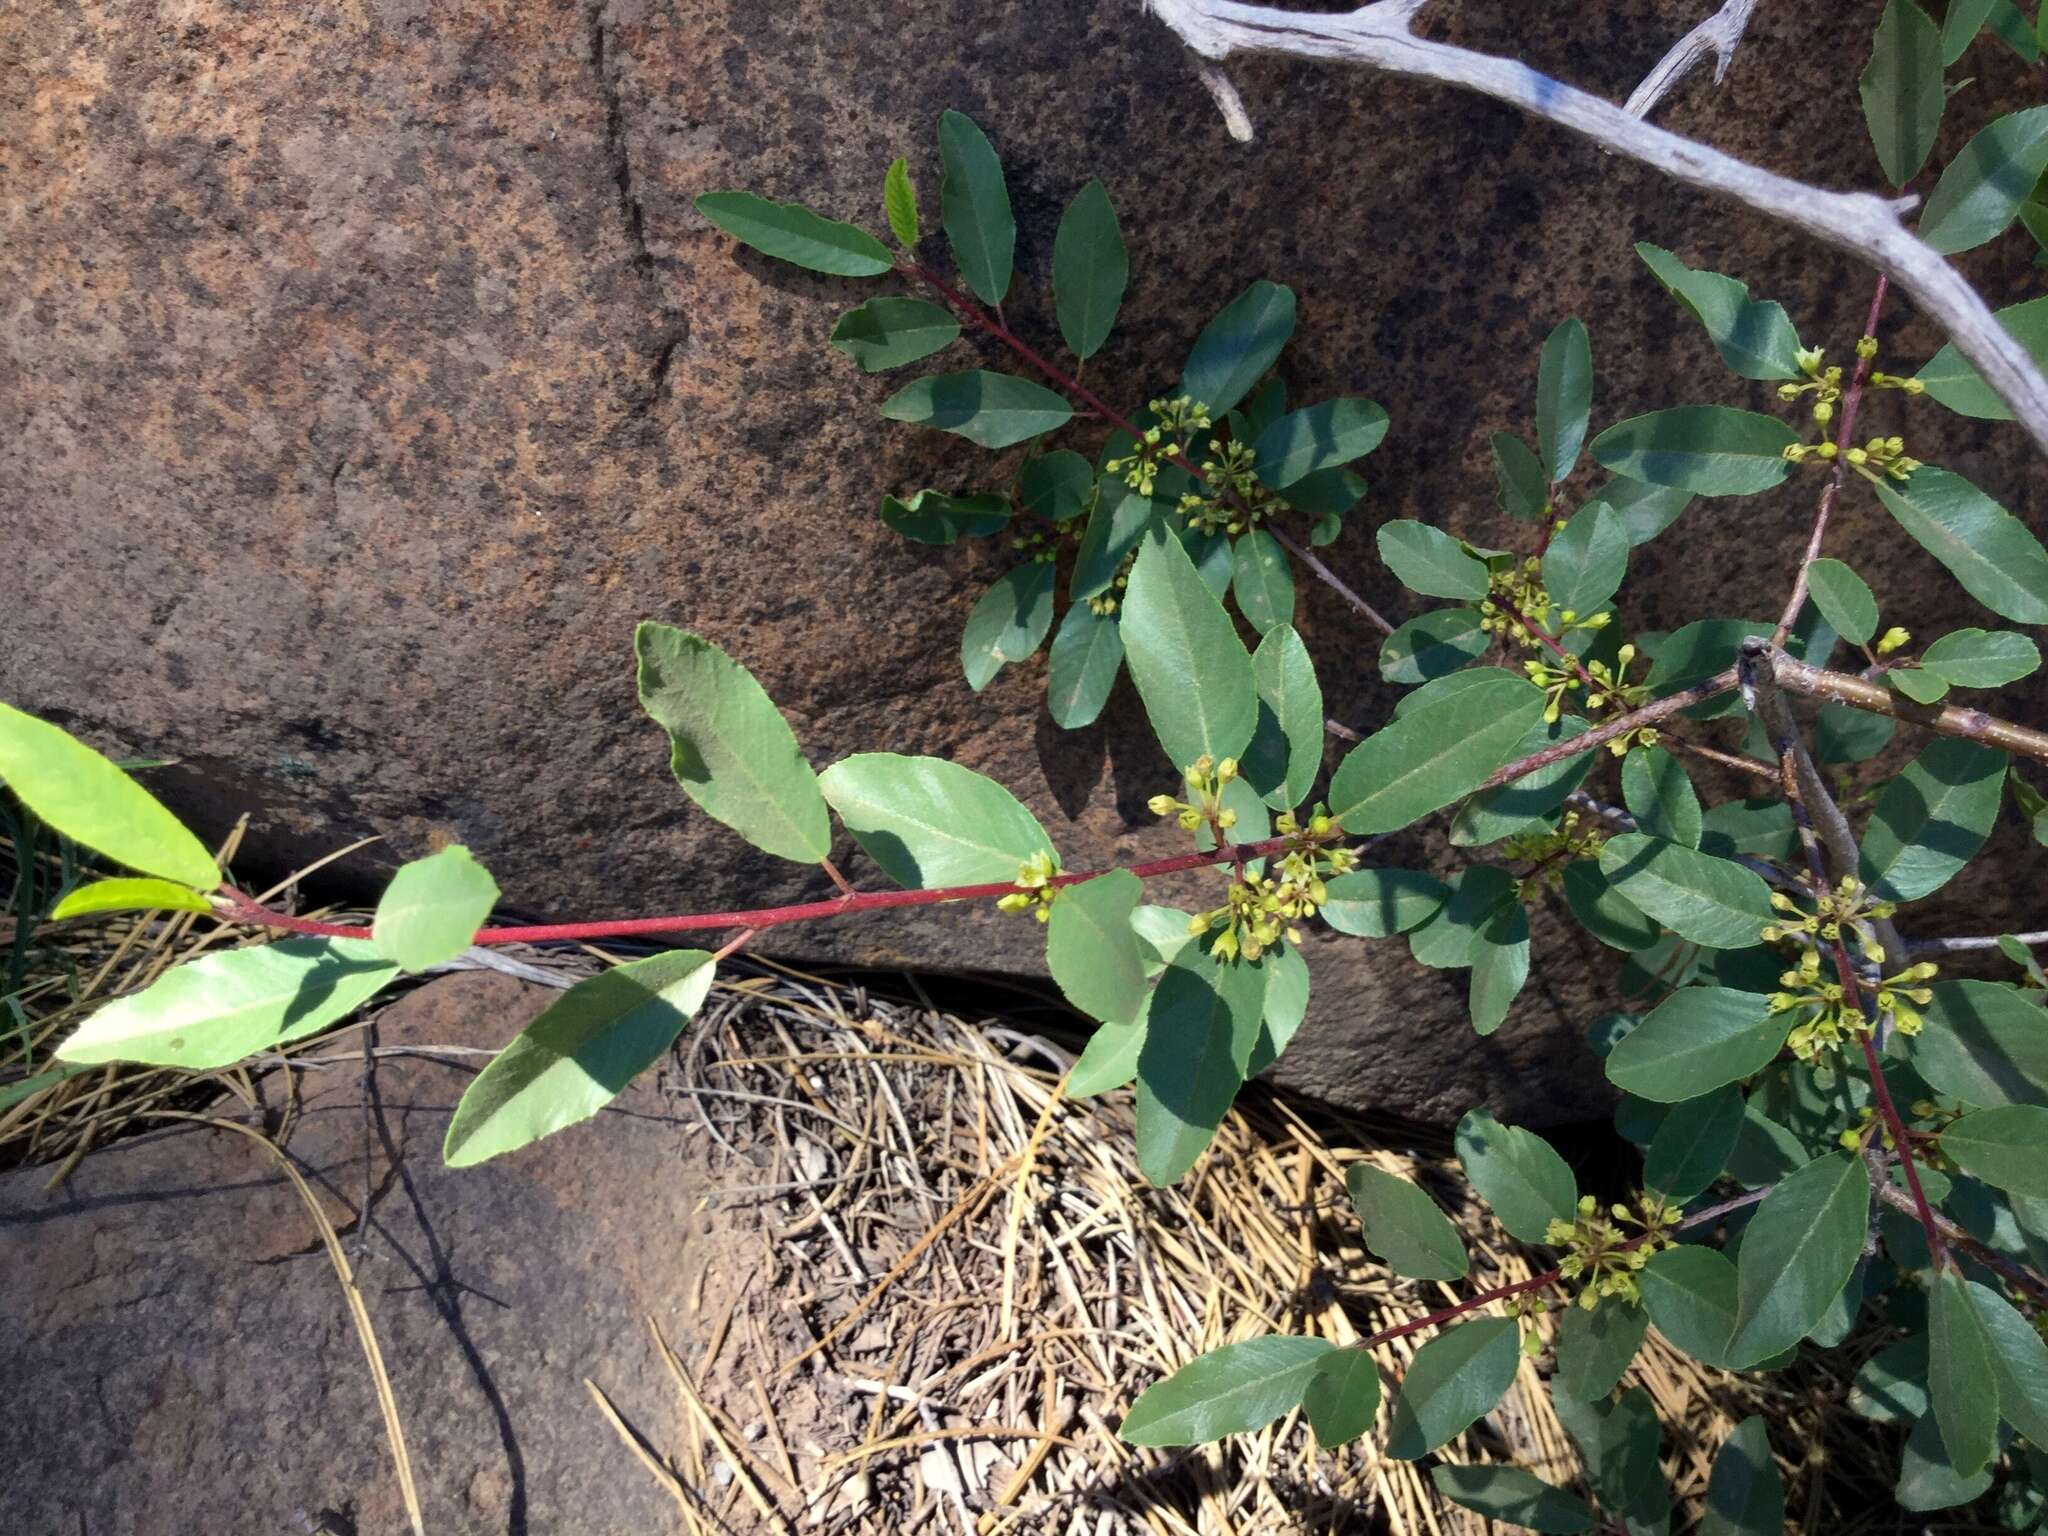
{"points": [[790, 232], [1755, 337], [1229, 1391], [2006, 1146], [1604, 912], [1108, 1061], [1091, 949], [1518, 1173], [1843, 599], [993, 410], [1661, 797], [1564, 399], [579, 1055], [1453, 1381], [1926, 1479], [1958, 1365], [1982, 1043], [432, 908], [1710, 450], [1694, 1041], [1406, 1228], [1891, 1386], [1646, 510], [1587, 559], [933, 517], [84, 796], [1286, 1006], [1693, 1144], [1082, 667], [1984, 546], [1797, 1253], [1918, 684], [1292, 700], [1090, 269], [1500, 968], [129, 895], [1697, 896], [1762, 829], [1430, 561], [1690, 1294], [1594, 1348], [1454, 935], [1238, 345], [1932, 819], [929, 822], [1191, 669], [1213, 558], [899, 202], [1954, 380], [1960, 24], [2019, 1363], [729, 746], [1982, 658], [1521, 488], [1513, 1497], [1434, 644], [1342, 1397], [1201, 1027], [1007, 623], [890, 332], [213, 1011], [1321, 437], [1379, 903], [1745, 1496], [974, 205], [1980, 192], [1056, 487], [1432, 756], [1114, 528], [1902, 90], [1518, 805], [1261, 581]]}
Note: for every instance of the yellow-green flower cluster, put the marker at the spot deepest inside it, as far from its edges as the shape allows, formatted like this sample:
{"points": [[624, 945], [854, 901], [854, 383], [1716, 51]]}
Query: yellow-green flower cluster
{"points": [[1825, 1018], [1205, 779], [1850, 910], [1551, 848], [1035, 890], [1879, 459], [1824, 384], [1174, 421], [1111, 597], [1259, 911], [1603, 1254]]}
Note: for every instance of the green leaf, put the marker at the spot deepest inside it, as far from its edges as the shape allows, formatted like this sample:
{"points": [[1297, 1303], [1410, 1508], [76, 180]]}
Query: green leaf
{"points": [[1434, 644], [1082, 667], [579, 1055], [1292, 699], [1452, 1382], [1982, 658], [1760, 828], [1500, 968], [1008, 622], [1229, 1391], [930, 823], [1745, 1496], [1435, 755], [1697, 896], [1564, 398], [2003, 1146], [899, 202], [213, 1011], [1586, 560], [1958, 1365], [1522, 489], [1845, 734], [1089, 270], [2019, 1364], [1320, 437], [1286, 1005], [1926, 1480], [1114, 527], [974, 205], [1984, 546], [1200, 1029], [1696, 652], [1430, 561], [1694, 1143], [1690, 1294], [84, 796], [1661, 797], [1238, 345], [1261, 581], [1594, 1348], [1843, 599], [1917, 684], [1954, 380], [1891, 1386], [1518, 1173], [1933, 818], [1797, 1253], [1343, 1396], [1519, 805], [1454, 936], [1619, 1444], [1960, 24], [729, 746], [1379, 903], [790, 232], [993, 410], [1710, 450], [1513, 1497], [1108, 1061], [1981, 191], [1604, 912], [1983, 1043], [1091, 949], [889, 332], [1646, 510], [1902, 90], [1694, 1041], [129, 895], [1755, 337], [1055, 487], [432, 908], [1405, 1227], [932, 517], [1191, 669]]}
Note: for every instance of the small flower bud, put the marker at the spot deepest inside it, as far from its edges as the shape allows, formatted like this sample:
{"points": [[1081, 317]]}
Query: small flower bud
{"points": [[1892, 640]]}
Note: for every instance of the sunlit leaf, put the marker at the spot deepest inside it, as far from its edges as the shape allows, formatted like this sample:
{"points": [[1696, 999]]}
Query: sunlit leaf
{"points": [[1564, 399], [993, 410], [1797, 1253], [1406, 1228], [1229, 1391], [792, 233], [1518, 1173], [432, 908], [931, 823], [1754, 336], [1089, 270], [1710, 450], [1238, 346], [1453, 1380], [1980, 192], [1007, 623], [887, 333], [974, 205], [1184, 654], [1984, 546]]}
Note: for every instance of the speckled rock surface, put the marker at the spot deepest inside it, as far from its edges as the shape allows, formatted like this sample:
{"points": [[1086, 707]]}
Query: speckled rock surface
{"points": [[371, 375]]}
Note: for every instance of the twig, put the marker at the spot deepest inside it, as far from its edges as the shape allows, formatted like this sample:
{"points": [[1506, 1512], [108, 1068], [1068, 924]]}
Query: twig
{"points": [[1330, 579], [1718, 34], [1957, 946], [1949, 720], [2018, 1274]]}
